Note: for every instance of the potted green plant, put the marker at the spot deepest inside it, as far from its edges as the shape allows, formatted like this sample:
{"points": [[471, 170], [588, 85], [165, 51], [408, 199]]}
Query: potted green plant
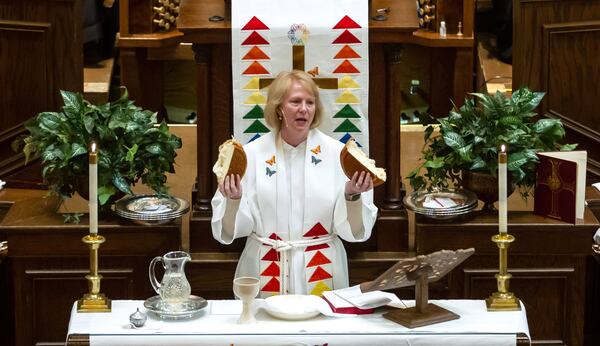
{"points": [[470, 137], [132, 146]]}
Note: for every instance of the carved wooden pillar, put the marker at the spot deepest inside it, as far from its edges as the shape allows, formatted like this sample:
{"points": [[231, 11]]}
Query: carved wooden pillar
{"points": [[394, 192], [143, 79], [463, 74], [203, 190]]}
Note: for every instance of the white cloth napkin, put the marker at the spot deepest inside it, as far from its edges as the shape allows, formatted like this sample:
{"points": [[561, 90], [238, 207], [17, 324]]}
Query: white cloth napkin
{"points": [[368, 300]]}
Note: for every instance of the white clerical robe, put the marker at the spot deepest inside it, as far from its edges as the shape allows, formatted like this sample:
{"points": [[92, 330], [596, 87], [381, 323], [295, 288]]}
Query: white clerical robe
{"points": [[293, 211]]}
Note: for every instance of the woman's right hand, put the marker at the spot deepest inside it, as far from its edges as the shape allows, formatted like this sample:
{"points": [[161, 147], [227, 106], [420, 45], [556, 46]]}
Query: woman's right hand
{"points": [[231, 187]]}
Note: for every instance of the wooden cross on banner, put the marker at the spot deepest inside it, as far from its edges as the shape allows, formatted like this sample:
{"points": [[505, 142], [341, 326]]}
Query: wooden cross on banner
{"points": [[298, 57]]}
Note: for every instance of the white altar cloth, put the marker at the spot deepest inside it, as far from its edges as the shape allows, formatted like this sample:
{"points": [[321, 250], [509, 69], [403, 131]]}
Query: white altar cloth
{"points": [[216, 325]]}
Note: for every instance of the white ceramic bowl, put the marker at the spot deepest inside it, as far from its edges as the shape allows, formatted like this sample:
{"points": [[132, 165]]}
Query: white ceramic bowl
{"points": [[292, 307]]}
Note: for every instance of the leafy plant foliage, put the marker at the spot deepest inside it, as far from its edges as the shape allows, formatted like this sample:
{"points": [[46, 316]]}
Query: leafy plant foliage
{"points": [[130, 146], [470, 137]]}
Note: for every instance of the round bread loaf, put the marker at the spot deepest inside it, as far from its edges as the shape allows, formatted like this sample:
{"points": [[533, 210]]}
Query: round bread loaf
{"points": [[231, 160], [354, 160]]}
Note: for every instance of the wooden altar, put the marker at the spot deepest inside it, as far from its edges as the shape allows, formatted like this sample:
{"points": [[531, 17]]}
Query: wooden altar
{"points": [[549, 263], [216, 325]]}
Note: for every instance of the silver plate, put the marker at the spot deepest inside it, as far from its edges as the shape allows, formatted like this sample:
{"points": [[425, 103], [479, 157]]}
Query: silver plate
{"points": [[466, 201], [189, 309], [151, 209]]}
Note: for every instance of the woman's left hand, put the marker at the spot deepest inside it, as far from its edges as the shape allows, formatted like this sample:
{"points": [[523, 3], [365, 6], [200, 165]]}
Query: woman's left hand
{"points": [[359, 183]]}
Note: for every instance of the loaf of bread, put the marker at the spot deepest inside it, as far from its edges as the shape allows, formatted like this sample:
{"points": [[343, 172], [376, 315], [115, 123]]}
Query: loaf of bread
{"points": [[231, 160], [353, 159]]}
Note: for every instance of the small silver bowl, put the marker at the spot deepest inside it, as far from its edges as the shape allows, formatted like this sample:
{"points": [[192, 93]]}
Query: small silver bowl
{"points": [[138, 318]]}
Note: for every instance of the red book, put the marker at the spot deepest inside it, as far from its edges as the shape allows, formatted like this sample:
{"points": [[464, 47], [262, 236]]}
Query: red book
{"points": [[560, 185], [340, 306]]}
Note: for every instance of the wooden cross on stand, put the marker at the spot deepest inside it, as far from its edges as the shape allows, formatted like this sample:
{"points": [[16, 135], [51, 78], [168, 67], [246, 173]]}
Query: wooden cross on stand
{"points": [[298, 57]]}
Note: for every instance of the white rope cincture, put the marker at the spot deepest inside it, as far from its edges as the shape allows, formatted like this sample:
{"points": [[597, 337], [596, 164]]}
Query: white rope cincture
{"points": [[283, 247]]}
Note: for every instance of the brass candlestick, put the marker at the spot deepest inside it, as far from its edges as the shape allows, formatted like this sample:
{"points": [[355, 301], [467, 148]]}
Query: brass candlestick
{"points": [[94, 301], [503, 300]]}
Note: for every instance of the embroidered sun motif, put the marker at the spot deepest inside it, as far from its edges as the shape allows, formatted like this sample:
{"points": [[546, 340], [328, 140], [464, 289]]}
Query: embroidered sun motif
{"points": [[271, 161], [553, 182]]}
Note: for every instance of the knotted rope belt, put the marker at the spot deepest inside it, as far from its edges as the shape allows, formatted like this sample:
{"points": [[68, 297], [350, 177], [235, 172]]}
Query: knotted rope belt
{"points": [[283, 247]]}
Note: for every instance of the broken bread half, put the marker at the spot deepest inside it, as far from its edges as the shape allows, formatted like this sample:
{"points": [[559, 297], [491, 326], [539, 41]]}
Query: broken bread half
{"points": [[232, 160], [353, 159]]}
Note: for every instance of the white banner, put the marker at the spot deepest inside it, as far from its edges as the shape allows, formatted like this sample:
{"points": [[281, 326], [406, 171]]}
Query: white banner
{"points": [[327, 38]]}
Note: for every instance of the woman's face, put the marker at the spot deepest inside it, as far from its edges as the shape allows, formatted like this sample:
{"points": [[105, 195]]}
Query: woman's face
{"points": [[298, 111]]}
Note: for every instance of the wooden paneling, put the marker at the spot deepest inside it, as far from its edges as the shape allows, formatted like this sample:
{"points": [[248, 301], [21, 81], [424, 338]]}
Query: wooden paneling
{"points": [[47, 263], [549, 262], [567, 76], [44, 286], [556, 44], [26, 56], [40, 54], [549, 284]]}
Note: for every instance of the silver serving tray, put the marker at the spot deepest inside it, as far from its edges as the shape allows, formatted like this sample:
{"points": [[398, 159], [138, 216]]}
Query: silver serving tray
{"points": [[189, 309], [151, 209], [466, 202]]}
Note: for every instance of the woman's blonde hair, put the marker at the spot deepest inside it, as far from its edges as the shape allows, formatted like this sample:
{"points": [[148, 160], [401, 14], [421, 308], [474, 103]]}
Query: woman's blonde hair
{"points": [[279, 89]]}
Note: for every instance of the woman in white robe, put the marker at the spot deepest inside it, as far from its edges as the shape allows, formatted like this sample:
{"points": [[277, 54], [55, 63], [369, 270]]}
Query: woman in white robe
{"points": [[294, 201]]}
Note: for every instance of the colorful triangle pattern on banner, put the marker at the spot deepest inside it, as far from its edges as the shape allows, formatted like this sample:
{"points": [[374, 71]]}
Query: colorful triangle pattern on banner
{"points": [[256, 136], [253, 84], [347, 53], [347, 82], [254, 39], [346, 67], [347, 23], [255, 113], [347, 126], [256, 53], [256, 98], [255, 24], [346, 112], [345, 138], [346, 37], [256, 68], [257, 127], [347, 97]]}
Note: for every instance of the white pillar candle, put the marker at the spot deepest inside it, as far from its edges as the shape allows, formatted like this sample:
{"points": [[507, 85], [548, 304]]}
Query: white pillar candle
{"points": [[93, 189], [502, 202]]}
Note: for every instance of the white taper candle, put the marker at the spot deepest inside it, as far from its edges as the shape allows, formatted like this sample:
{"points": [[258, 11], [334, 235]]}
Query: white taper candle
{"points": [[502, 193], [93, 189]]}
